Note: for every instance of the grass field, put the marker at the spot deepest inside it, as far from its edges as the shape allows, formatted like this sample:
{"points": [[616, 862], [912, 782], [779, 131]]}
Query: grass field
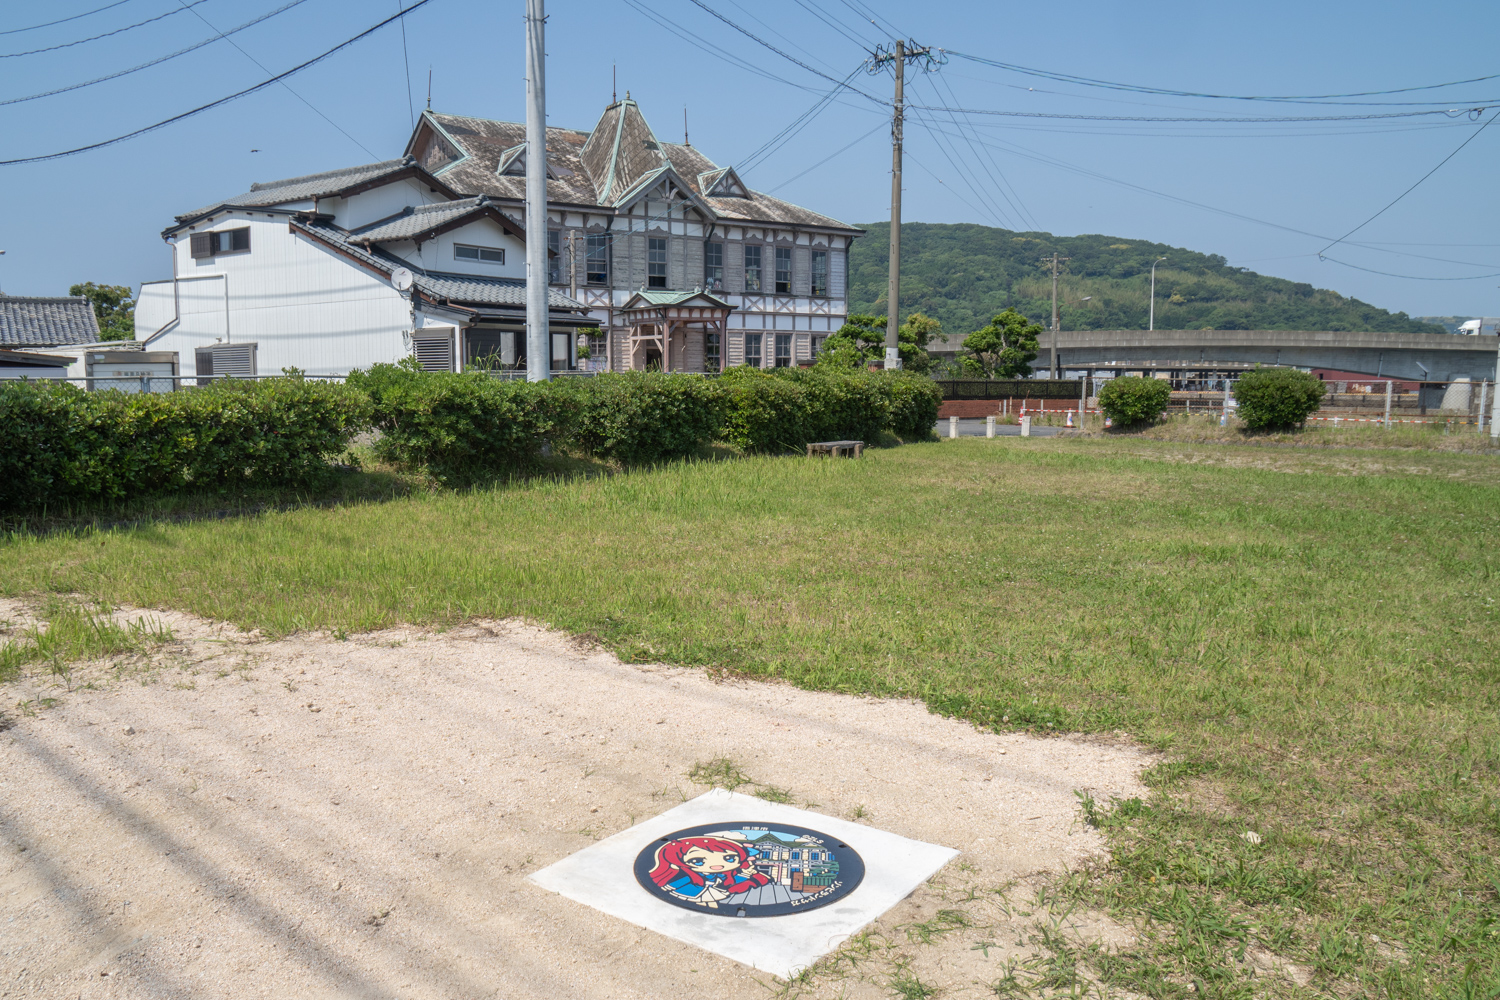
{"points": [[1310, 634]]}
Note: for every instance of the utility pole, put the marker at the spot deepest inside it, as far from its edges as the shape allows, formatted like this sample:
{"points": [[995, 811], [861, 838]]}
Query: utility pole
{"points": [[573, 264], [899, 58], [538, 335], [1152, 323], [1055, 261]]}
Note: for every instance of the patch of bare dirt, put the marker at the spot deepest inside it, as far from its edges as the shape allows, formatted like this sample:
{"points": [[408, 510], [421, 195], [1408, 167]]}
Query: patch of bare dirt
{"points": [[319, 818]]}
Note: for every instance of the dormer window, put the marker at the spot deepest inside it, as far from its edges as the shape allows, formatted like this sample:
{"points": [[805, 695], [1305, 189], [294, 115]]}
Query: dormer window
{"points": [[484, 255]]}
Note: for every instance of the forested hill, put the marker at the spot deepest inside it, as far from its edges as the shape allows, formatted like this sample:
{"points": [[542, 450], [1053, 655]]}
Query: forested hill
{"points": [[963, 274]]}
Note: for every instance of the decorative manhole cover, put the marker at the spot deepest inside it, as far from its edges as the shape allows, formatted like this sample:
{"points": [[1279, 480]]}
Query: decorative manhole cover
{"points": [[749, 869]]}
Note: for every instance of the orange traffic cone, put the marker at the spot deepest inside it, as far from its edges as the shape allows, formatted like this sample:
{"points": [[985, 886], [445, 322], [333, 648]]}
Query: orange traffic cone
{"points": [[1070, 418]]}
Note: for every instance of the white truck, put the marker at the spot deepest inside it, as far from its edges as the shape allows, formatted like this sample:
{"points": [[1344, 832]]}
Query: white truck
{"points": [[1485, 326]]}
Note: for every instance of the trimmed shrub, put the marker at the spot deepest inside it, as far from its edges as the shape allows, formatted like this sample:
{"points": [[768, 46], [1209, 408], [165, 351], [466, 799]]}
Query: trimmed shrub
{"points": [[68, 445], [1271, 398], [913, 402], [641, 416], [784, 409], [1134, 400], [459, 428], [762, 412]]}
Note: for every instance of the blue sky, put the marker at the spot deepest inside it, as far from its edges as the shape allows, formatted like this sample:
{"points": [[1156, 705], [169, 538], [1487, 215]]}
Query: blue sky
{"points": [[96, 216]]}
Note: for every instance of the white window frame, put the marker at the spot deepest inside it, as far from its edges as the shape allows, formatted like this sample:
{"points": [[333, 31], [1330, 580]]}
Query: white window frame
{"points": [[479, 254]]}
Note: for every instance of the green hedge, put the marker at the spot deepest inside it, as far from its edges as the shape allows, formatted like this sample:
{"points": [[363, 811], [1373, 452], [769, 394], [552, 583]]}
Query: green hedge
{"points": [[458, 427], [641, 416], [1134, 400], [785, 409], [914, 402], [67, 445], [1271, 398]]}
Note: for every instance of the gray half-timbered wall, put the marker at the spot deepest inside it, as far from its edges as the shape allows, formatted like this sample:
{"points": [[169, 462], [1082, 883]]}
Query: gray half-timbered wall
{"points": [[804, 316]]}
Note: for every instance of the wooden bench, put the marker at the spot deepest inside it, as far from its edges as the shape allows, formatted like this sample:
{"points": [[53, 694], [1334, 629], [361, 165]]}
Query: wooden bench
{"points": [[834, 449]]}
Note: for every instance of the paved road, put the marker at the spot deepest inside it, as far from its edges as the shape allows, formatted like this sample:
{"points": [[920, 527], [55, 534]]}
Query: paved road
{"points": [[975, 428]]}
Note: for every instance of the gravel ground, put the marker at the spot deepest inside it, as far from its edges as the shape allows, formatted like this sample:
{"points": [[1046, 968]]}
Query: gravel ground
{"points": [[233, 817]]}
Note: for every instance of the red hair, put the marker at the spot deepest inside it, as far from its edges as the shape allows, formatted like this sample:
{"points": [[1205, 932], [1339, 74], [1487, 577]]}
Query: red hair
{"points": [[669, 857]]}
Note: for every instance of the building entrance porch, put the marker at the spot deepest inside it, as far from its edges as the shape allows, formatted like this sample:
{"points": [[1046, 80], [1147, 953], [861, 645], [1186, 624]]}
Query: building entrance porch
{"points": [[675, 331]]}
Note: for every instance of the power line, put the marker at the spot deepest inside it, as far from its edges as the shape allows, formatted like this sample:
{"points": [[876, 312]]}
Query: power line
{"points": [[154, 62], [771, 145], [1166, 92], [95, 38], [1409, 190], [65, 20], [844, 149], [793, 59], [838, 26], [999, 184], [1409, 277], [286, 86], [221, 101], [1064, 165], [411, 108], [698, 41], [1450, 112]]}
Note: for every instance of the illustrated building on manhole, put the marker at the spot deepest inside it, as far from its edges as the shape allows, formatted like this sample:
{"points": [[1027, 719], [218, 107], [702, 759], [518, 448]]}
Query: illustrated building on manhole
{"points": [[674, 261]]}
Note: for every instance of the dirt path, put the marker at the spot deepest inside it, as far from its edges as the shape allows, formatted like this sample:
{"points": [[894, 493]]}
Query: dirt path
{"points": [[315, 818]]}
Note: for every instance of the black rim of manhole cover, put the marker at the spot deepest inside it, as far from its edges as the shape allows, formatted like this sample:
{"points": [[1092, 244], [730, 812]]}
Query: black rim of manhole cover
{"points": [[749, 869]]}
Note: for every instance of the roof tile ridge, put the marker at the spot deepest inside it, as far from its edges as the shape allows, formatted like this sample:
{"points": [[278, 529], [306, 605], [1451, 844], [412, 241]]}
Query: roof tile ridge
{"points": [[288, 181]]}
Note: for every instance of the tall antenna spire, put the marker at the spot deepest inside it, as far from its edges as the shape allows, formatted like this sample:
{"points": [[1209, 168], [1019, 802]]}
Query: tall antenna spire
{"points": [[684, 127], [614, 83], [429, 88]]}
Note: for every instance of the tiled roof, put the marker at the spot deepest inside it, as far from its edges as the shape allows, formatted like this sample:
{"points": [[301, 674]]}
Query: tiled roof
{"points": [[665, 298], [596, 168], [418, 220], [460, 289], [38, 322], [294, 189]]}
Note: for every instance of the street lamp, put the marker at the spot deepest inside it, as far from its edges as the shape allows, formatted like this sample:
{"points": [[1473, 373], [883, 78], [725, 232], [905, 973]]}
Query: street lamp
{"points": [[1153, 292]]}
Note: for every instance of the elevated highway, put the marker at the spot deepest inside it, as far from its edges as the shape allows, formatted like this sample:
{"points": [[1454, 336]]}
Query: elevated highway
{"points": [[1414, 356]]}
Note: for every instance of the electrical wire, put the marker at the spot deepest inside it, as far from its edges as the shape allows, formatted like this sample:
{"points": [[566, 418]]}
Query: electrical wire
{"points": [[411, 107], [221, 101], [1450, 112], [790, 58], [992, 209], [1408, 277], [1043, 158], [286, 86], [839, 152], [95, 38], [698, 41], [65, 20], [154, 62], [1166, 92], [1409, 190], [838, 26], [771, 145], [1001, 184]]}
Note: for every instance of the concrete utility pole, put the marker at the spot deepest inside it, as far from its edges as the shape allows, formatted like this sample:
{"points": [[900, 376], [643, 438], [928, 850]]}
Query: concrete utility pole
{"points": [[538, 336], [898, 112], [1152, 325], [1055, 261], [1495, 411], [573, 264]]}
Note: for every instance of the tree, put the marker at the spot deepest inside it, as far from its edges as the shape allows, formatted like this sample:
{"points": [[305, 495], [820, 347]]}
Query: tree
{"points": [[862, 339], [1003, 349], [114, 308]]}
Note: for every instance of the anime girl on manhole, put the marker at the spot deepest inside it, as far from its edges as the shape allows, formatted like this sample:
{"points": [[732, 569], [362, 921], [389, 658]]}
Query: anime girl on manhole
{"points": [[706, 869]]}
